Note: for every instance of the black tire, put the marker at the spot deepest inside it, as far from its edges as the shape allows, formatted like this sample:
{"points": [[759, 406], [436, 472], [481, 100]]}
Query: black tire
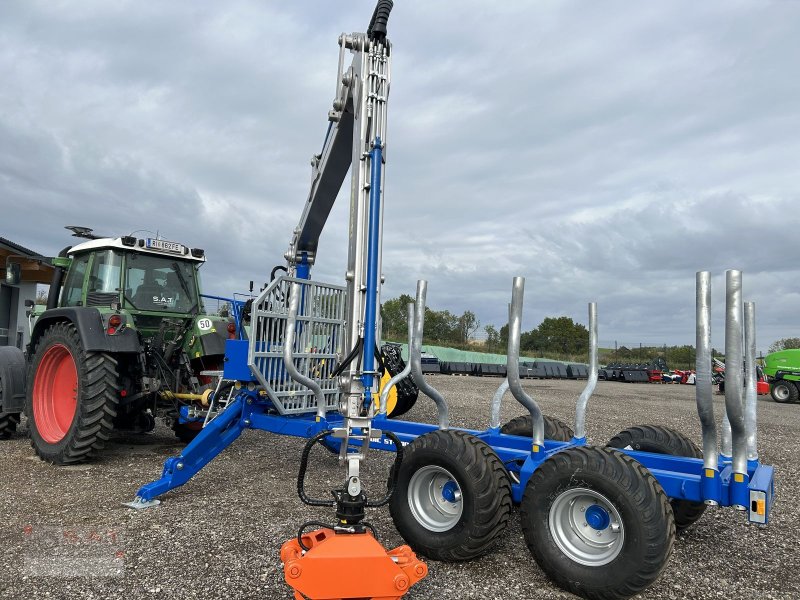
{"points": [[784, 391], [476, 521], [637, 507], [663, 440], [554, 428], [97, 397], [8, 424], [407, 390], [185, 433]]}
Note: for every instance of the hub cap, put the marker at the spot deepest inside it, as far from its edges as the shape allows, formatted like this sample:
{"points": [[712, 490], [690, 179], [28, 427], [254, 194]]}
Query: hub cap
{"points": [[781, 392], [434, 497], [55, 394], [586, 527]]}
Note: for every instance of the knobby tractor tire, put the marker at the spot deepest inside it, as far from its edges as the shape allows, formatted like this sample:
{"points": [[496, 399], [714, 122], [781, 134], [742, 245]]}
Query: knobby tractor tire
{"points": [[663, 440], [71, 397], [784, 391], [597, 522], [8, 424], [453, 497], [554, 428]]}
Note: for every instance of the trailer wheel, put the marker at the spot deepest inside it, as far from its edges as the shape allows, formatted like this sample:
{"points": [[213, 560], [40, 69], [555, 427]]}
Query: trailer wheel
{"points": [[453, 497], [663, 440], [72, 397], [784, 391], [554, 428], [8, 424], [597, 522]]}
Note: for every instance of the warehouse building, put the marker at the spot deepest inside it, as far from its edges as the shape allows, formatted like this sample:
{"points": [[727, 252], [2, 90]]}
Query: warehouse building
{"points": [[33, 269]]}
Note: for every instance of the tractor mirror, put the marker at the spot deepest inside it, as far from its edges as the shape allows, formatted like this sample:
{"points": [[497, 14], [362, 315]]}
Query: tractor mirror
{"points": [[13, 273]]}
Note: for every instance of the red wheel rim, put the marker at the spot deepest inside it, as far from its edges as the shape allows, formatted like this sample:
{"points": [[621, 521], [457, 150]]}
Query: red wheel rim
{"points": [[55, 394]]}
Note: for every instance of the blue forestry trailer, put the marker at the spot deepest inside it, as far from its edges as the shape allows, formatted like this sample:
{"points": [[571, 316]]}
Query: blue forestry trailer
{"points": [[599, 520]]}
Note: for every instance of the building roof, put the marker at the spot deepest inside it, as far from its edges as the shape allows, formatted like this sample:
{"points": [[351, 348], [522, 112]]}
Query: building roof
{"points": [[18, 248], [34, 268]]}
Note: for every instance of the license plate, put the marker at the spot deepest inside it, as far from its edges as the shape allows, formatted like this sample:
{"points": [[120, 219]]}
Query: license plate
{"points": [[165, 246]]}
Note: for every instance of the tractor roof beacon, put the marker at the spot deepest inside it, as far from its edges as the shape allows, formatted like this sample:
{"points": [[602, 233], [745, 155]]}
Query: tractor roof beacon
{"points": [[123, 339]]}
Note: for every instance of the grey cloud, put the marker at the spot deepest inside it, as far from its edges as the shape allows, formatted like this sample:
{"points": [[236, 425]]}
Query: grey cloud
{"points": [[605, 151]]}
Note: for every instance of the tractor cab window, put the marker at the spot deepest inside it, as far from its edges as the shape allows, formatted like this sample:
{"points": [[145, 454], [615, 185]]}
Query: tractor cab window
{"points": [[72, 293], [104, 279], [160, 283]]}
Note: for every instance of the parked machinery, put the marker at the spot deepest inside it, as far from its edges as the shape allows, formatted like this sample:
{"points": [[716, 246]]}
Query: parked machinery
{"points": [[123, 339], [600, 521]]}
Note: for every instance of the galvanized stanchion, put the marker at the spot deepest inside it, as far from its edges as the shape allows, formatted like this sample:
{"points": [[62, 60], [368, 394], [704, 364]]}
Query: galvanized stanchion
{"points": [[583, 399], [415, 357], [750, 379], [514, 383]]}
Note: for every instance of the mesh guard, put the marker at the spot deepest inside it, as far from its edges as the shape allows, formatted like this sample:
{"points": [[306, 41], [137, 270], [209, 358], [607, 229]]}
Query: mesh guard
{"points": [[318, 337]]}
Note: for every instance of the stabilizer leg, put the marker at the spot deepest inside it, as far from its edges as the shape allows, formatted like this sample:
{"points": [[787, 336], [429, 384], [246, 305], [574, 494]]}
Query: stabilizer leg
{"points": [[213, 439]]}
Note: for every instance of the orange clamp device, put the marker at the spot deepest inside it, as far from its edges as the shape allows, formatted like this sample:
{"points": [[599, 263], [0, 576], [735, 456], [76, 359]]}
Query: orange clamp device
{"points": [[342, 566]]}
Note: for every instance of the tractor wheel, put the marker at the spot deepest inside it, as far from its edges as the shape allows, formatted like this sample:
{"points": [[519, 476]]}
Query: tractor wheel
{"points": [[663, 440], [8, 424], [453, 497], [784, 391], [72, 397], [597, 522], [406, 389], [554, 429]]}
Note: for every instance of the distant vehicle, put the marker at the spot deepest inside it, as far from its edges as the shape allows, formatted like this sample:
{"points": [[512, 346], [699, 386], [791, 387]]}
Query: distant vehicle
{"points": [[783, 370]]}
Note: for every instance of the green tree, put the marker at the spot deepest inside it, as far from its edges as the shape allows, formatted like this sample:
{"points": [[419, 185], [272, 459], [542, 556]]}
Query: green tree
{"points": [[394, 317], [785, 344], [557, 334], [492, 338], [468, 324]]}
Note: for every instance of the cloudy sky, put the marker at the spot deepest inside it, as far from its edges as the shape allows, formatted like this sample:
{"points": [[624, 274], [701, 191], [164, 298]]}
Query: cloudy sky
{"points": [[605, 151]]}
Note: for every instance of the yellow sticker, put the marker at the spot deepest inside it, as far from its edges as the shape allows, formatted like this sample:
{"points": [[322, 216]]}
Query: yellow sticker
{"points": [[761, 507], [710, 472], [535, 448], [738, 477]]}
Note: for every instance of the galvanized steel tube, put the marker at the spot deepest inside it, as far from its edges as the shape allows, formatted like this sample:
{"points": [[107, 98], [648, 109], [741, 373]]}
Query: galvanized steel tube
{"points": [[494, 423], [583, 399], [415, 356], [288, 345], [704, 386], [734, 347], [750, 378], [407, 369], [514, 383]]}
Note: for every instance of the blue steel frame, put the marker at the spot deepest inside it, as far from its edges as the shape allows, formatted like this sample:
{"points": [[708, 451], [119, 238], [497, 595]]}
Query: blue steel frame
{"points": [[681, 477]]}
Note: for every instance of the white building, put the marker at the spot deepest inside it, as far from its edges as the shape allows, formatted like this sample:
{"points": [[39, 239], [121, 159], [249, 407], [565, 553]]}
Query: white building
{"points": [[34, 269]]}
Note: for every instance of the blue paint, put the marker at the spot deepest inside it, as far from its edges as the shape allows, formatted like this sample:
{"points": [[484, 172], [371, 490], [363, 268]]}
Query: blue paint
{"points": [[449, 491], [373, 252], [597, 517]]}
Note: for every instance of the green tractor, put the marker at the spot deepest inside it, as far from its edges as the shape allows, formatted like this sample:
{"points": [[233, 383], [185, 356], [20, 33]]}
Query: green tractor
{"points": [[123, 339], [783, 370]]}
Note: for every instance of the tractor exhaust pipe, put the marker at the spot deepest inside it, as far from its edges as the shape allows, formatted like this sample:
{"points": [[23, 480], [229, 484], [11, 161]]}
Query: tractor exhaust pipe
{"points": [[415, 357], [583, 399], [512, 369]]}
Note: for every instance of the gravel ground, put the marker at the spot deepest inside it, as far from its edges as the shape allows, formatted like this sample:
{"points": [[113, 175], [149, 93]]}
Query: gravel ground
{"points": [[219, 536]]}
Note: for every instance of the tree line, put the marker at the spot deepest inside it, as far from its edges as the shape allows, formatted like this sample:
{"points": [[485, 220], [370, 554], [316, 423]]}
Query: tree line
{"points": [[558, 338]]}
